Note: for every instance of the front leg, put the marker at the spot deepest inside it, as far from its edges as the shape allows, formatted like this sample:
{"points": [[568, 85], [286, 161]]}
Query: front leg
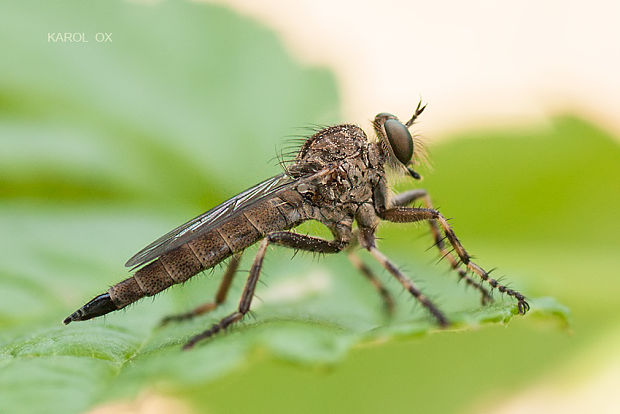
{"points": [[407, 197], [409, 215]]}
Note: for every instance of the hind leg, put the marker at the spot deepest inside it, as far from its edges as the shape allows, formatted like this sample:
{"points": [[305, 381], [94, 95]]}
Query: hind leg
{"points": [[220, 296], [282, 238]]}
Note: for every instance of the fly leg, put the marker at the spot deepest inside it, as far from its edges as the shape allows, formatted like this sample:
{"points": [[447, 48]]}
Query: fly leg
{"points": [[407, 197], [410, 215], [388, 302], [220, 296], [367, 239], [282, 238]]}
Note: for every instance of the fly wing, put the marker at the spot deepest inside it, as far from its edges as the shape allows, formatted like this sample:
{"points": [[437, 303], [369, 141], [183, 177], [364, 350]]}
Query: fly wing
{"points": [[212, 218]]}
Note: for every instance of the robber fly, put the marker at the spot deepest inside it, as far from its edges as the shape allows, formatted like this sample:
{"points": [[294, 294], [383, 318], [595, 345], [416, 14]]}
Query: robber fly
{"points": [[338, 176]]}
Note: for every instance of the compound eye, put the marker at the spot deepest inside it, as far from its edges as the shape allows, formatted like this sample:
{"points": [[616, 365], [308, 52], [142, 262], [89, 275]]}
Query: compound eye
{"points": [[400, 140]]}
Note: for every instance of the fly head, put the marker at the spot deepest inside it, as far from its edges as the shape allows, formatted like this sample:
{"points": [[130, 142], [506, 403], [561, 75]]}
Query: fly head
{"points": [[396, 140]]}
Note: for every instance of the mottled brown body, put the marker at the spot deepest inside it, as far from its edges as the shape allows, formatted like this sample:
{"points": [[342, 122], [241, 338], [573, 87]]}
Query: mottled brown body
{"points": [[206, 251], [337, 178], [332, 198]]}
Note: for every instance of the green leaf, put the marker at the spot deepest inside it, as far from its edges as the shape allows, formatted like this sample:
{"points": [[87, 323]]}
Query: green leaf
{"points": [[107, 146]]}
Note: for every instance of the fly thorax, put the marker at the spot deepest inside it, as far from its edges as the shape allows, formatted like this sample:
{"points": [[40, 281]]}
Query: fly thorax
{"points": [[327, 147], [358, 184]]}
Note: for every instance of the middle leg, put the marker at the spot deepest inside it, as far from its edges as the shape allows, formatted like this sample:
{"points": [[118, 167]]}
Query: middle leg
{"points": [[388, 301], [367, 239]]}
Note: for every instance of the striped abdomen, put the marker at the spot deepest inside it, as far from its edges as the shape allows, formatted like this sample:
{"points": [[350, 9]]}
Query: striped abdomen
{"points": [[205, 251]]}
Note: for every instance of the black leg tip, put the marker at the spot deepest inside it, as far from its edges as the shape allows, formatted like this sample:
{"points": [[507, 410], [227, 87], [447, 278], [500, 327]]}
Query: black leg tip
{"points": [[523, 307], [442, 321], [67, 320]]}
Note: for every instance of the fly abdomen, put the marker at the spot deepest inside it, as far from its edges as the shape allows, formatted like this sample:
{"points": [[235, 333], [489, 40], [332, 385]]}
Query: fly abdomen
{"points": [[173, 267], [203, 252], [272, 215]]}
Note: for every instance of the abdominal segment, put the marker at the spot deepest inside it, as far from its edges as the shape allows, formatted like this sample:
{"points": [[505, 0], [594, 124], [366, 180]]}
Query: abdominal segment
{"points": [[202, 252]]}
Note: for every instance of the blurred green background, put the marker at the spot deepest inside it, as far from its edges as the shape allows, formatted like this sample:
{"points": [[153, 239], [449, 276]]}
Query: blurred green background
{"points": [[104, 147]]}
